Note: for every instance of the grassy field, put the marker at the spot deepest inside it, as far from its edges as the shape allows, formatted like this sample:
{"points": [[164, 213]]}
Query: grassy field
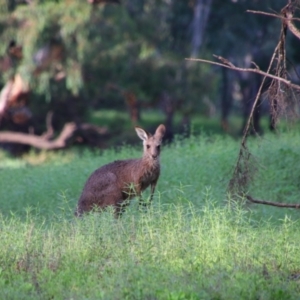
{"points": [[191, 244]]}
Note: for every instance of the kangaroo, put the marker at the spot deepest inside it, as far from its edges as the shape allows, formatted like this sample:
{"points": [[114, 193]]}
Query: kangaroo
{"points": [[116, 183]]}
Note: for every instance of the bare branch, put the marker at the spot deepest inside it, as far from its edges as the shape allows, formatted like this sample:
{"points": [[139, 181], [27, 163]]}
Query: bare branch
{"points": [[224, 61], [255, 65], [258, 71], [286, 17], [288, 21], [271, 15], [271, 203]]}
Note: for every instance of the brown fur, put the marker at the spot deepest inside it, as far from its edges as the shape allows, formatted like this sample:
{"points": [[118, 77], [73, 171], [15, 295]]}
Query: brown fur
{"points": [[121, 180]]}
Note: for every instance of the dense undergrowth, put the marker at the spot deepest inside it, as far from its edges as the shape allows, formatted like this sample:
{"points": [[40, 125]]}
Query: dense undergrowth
{"points": [[192, 244]]}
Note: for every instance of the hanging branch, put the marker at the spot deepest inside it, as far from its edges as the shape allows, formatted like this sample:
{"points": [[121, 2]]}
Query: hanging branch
{"points": [[279, 85], [240, 177], [242, 173]]}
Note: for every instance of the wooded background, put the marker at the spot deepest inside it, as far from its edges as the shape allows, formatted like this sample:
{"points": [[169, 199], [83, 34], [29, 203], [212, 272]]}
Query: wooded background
{"points": [[63, 59]]}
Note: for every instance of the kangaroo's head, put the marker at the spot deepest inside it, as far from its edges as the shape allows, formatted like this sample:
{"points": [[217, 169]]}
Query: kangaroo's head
{"points": [[151, 142]]}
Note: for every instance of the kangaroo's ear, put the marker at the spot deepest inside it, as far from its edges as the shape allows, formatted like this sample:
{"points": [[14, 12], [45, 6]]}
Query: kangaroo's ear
{"points": [[160, 131], [142, 134]]}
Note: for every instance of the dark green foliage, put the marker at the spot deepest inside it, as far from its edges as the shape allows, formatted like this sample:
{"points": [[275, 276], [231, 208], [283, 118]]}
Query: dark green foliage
{"points": [[130, 46], [234, 31], [138, 46]]}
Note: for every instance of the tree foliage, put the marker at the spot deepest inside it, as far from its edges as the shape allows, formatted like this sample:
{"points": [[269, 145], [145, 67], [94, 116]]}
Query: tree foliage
{"points": [[76, 49], [77, 55]]}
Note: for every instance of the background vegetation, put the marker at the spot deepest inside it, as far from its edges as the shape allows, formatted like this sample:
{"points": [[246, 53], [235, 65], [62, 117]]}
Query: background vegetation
{"points": [[75, 58]]}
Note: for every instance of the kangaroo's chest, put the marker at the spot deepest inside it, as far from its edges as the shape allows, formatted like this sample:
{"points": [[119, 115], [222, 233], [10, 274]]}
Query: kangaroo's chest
{"points": [[137, 180], [149, 176]]}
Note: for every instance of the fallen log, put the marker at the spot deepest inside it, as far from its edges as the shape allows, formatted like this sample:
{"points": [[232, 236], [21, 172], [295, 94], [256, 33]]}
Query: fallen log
{"points": [[69, 134]]}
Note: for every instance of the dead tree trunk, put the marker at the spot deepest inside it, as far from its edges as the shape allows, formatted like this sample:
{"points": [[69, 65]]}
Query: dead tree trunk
{"points": [[71, 132]]}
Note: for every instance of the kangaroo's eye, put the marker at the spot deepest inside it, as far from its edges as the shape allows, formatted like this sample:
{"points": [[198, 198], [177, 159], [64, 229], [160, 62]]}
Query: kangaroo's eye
{"points": [[148, 146], [158, 147]]}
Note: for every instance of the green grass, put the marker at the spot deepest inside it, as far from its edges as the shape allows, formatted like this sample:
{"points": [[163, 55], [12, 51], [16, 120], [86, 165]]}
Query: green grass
{"points": [[191, 244], [179, 253]]}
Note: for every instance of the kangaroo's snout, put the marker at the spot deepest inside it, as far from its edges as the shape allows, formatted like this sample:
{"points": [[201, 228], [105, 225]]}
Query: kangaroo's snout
{"points": [[153, 151]]}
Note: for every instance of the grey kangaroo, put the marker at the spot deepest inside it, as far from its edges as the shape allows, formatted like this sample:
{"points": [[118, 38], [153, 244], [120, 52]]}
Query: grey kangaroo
{"points": [[116, 183]]}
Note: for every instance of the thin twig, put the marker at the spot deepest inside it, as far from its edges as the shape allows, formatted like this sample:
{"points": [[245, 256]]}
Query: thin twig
{"points": [[255, 65], [258, 71], [271, 203], [286, 17], [271, 15]]}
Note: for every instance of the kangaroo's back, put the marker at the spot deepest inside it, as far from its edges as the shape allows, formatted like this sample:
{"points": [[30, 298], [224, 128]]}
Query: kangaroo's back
{"points": [[121, 180]]}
